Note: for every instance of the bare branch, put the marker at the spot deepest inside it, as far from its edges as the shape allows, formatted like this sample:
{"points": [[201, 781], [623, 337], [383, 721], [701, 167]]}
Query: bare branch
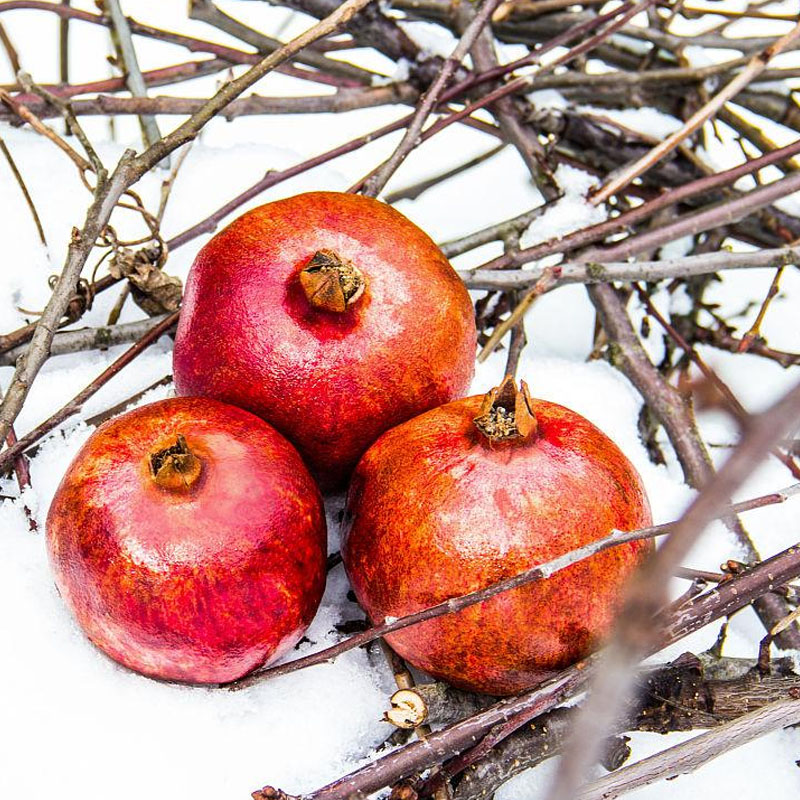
{"points": [[89, 339], [757, 65], [634, 635], [430, 99], [24, 189], [535, 573], [688, 756]]}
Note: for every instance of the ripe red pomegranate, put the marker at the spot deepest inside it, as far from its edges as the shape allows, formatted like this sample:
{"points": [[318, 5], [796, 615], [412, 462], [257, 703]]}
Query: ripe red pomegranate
{"points": [[332, 317], [188, 539], [477, 491]]}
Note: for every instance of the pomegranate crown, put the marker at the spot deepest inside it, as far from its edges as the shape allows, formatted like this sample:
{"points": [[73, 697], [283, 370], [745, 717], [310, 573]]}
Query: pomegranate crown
{"points": [[506, 413], [175, 468], [331, 282]]}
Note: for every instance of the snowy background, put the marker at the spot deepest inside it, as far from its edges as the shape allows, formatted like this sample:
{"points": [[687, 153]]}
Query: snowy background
{"points": [[75, 724]]}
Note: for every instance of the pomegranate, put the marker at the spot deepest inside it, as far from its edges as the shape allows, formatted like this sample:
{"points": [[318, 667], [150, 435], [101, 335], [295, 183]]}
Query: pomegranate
{"points": [[477, 491], [188, 539], [332, 317]]}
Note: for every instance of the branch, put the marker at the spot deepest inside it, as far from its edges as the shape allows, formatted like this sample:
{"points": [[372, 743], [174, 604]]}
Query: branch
{"points": [[108, 193], [342, 100], [590, 272], [634, 635], [24, 189], [688, 756], [430, 100], [757, 65], [535, 573], [206, 11], [89, 339], [130, 64]]}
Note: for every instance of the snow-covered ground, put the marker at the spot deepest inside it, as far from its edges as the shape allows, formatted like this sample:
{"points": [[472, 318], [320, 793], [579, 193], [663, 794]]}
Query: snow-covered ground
{"points": [[73, 722]]}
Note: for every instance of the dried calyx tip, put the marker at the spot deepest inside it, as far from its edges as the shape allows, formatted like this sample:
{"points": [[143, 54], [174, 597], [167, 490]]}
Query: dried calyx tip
{"points": [[330, 282], [506, 413], [176, 467]]}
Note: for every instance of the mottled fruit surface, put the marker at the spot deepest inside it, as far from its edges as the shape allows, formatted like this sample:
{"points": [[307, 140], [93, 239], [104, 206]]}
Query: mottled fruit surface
{"points": [[188, 539], [331, 363], [437, 510]]}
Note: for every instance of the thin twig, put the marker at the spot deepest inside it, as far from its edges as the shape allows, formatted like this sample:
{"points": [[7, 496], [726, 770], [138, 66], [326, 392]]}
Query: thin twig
{"points": [[24, 189], [11, 51], [756, 66], [535, 573], [126, 53], [634, 635], [430, 99]]}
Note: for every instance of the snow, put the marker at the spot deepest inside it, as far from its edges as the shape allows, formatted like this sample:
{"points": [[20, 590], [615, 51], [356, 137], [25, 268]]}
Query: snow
{"points": [[75, 720], [570, 212]]}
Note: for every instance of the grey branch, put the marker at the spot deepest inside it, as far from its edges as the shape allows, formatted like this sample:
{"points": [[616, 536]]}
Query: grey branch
{"points": [[109, 191], [89, 339], [688, 756], [599, 272]]}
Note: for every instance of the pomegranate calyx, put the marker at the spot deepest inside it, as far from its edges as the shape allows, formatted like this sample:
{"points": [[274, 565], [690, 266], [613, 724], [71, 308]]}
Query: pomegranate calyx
{"points": [[175, 468], [330, 282], [506, 413]]}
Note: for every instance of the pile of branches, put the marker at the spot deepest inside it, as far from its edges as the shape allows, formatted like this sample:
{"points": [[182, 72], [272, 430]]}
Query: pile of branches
{"points": [[607, 55]]}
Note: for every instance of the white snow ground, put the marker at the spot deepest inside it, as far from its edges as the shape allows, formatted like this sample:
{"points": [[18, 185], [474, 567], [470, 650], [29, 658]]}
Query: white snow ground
{"points": [[76, 724]]}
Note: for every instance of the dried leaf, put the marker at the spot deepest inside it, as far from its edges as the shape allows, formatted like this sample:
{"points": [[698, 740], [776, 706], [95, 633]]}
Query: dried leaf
{"points": [[152, 289]]}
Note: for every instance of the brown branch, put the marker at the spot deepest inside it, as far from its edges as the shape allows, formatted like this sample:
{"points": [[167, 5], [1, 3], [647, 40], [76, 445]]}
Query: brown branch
{"points": [[415, 190], [755, 329], [24, 189], [109, 191], [206, 11], [23, 474], [63, 47], [24, 113], [756, 66], [521, 136], [724, 340], [534, 573], [724, 600], [429, 101], [634, 635], [11, 51], [344, 100], [102, 416], [163, 76]]}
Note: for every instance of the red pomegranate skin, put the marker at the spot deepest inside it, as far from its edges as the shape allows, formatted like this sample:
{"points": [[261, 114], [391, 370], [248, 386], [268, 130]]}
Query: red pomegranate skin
{"points": [[436, 510], [202, 585], [330, 382]]}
